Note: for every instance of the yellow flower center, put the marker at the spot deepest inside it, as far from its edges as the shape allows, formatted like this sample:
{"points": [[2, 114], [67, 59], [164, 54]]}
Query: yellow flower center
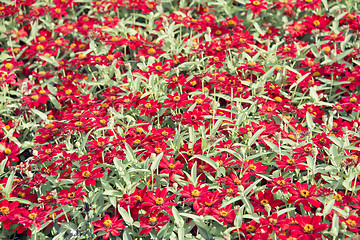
{"points": [[152, 221], [352, 223], [353, 99], [250, 229], [256, 3], [107, 223], [158, 68], [40, 48], [199, 101], [4, 211], [158, 150], [159, 201], [71, 195], [148, 105], [35, 97], [68, 92], [316, 23], [224, 213], [9, 66], [264, 202], [151, 51], [195, 193], [32, 216], [308, 228], [86, 174], [304, 193], [7, 151]]}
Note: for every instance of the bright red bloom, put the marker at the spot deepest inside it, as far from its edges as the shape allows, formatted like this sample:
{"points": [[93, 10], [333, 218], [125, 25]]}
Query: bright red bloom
{"points": [[194, 194], [149, 108], [159, 69], [177, 101], [159, 201], [287, 163], [303, 194], [87, 175], [71, 196], [265, 198], [225, 215], [171, 167], [35, 217], [308, 228], [8, 212], [256, 6], [111, 225], [193, 118], [154, 221]]}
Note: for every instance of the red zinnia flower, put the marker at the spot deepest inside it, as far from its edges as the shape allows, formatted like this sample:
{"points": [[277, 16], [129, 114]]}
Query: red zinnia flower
{"points": [[308, 228], [111, 225], [71, 197], [8, 211], [87, 175], [256, 6], [304, 195], [154, 221], [159, 201], [225, 215], [35, 217]]}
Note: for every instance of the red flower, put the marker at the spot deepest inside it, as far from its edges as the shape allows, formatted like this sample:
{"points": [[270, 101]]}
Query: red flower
{"points": [[256, 6], [159, 201], [35, 217], [71, 197], [269, 108], [193, 118], [8, 211], [154, 221], [280, 183], [171, 167], [159, 69], [111, 225], [87, 175], [177, 101], [304, 195], [287, 163], [194, 194], [149, 108], [308, 228], [265, 198], [225, 215]]}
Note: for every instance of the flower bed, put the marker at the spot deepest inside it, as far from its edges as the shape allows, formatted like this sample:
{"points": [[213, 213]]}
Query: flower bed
{"points": [[129, 119]]}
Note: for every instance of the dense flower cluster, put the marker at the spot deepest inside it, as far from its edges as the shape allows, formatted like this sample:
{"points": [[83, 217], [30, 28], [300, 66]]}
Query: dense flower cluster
{"points": [[127, 119]]}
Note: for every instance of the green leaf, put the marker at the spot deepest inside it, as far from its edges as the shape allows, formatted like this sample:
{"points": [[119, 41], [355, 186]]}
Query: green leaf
{"points": [[9, 184], [178, 220], [309, 121], [255, 136], [155, 164], [328, 207], [126, 216]]}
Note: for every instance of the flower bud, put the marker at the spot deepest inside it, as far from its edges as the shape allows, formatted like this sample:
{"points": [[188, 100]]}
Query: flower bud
{"points": [[277, 136], [128, 66], [77, 144], [35, 153], [208, 30], [142, 59], [324, 118], [314, 151], [249, 134], [226, 236], [237, 209], [347, 209], [267, 207], [241, 188], [343, 225], [356, 45], [175, 185]]}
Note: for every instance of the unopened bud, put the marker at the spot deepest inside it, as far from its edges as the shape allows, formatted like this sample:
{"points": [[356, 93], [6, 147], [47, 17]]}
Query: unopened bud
{"points": [[347, 209], [324, 118], [128, 66], [142, 59], [249, 134], [267, 207], [241, 188], [175, 185], [77, 144], [356, 45], [153, 157], [343, 225], [355, 125], [277, 136], [226, 236], [208, 30], [35, 153], [237, 209], [314, 151], [242, 151]]}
